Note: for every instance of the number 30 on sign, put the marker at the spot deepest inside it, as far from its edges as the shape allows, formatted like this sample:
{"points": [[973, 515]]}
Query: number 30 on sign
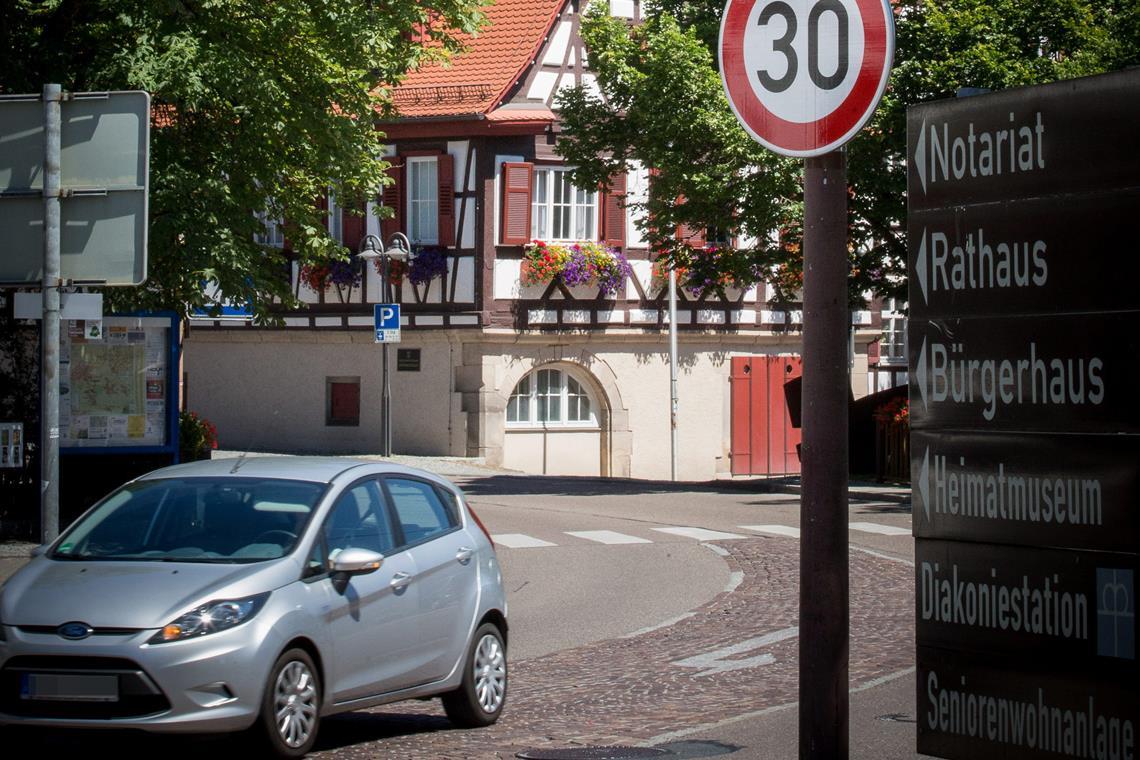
{"points": [[803, 76]]}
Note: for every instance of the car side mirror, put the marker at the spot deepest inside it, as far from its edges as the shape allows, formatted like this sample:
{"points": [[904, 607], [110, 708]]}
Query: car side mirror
{"points": [[39, 551], [356, 562]]}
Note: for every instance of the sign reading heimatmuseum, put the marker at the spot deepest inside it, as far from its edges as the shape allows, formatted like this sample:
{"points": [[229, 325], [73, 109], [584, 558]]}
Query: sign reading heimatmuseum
{"points": [[1024, 354]]}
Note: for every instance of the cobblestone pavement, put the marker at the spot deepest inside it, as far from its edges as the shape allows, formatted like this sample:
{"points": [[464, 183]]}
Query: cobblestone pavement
{"points": [[630, 690]]}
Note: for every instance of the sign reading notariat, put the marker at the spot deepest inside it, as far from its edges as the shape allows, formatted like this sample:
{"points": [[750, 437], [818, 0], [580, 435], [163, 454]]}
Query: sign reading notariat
{"points": [[1024, 354]]}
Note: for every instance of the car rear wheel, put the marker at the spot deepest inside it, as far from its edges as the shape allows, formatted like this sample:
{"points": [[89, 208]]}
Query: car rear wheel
{"points": [[480, 698], [290, 709]]}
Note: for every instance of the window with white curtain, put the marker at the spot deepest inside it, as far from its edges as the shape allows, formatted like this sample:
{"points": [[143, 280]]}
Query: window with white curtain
{"points": [[423, 200], [335, 219], [559, 210], [551, 397]]}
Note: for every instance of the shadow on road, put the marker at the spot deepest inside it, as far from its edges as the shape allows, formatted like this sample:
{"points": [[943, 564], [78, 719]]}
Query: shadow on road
{"points": [[583, 486]]}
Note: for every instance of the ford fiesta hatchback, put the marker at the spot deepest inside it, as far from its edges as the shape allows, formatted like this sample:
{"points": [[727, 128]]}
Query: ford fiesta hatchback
{"points": [[260, 594]]}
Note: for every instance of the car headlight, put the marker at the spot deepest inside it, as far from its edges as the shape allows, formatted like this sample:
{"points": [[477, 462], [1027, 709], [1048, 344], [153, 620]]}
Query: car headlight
{"points": [[210, 618]]}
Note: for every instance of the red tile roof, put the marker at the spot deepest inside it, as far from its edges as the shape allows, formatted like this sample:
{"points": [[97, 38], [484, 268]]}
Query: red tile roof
{"points": [[478, 80]]}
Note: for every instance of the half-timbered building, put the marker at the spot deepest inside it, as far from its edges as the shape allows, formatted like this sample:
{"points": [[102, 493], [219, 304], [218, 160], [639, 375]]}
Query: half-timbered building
{"points": [[545, 378]]}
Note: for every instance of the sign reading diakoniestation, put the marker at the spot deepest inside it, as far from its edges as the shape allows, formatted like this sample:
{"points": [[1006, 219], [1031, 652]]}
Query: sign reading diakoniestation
{"points": [[1024, 354]]}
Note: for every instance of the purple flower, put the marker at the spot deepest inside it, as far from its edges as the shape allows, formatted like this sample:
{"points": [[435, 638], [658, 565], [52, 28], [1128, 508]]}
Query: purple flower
{"points": [[426, 265]]}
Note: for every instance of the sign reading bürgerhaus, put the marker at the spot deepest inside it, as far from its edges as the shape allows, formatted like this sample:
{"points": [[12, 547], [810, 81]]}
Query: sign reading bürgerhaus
{"points": [[1025, 459]]}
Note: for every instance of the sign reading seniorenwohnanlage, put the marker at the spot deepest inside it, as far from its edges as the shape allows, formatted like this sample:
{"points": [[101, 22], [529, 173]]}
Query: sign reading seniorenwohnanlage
{"points": [[1024, 354], [803, 76]]}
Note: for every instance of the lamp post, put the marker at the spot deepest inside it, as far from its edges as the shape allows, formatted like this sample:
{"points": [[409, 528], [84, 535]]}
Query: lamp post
{"points": [[371, 249]]}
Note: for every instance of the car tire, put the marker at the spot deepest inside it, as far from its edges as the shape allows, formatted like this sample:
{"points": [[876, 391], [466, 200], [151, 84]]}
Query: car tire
{"points": [[293, 692], [480, 697]]}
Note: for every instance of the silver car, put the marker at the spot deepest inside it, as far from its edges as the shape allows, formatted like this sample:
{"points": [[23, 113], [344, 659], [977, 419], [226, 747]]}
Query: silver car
{"points": [[261, 594]]}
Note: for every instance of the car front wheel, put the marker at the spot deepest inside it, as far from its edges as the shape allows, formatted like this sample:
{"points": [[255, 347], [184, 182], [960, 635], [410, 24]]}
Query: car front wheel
{"points": [[480, 697], [290, 709]]}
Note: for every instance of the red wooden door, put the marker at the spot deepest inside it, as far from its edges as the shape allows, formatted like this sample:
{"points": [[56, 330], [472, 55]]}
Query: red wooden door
{"points": [[763, 439]]}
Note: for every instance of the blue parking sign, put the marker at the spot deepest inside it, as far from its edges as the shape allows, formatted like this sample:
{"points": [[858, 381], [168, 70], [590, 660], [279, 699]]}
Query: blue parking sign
{"points": [[386, 320]]}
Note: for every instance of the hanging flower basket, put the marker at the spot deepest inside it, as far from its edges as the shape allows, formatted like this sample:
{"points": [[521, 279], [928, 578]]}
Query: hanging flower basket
{"points": [[317, 277], [583, 263]]}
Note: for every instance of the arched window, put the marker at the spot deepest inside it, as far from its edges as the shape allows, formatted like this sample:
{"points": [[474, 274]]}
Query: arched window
{"points": [[551, 397]]}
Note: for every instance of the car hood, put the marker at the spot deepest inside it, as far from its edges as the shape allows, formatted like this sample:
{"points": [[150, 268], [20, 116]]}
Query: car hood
{"points": [[130, 594]]}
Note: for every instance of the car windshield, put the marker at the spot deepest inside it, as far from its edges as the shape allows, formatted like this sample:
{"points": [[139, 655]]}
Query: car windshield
{"points": [[221, 520]]}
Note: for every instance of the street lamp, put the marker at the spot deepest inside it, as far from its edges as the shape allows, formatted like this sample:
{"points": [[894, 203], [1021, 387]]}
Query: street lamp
{"points": [[371, 249]]}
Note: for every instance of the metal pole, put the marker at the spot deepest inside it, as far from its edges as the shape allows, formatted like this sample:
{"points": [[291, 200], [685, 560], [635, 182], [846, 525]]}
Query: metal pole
{"points": [[672, 374], [824, 595], [49, 337], [385, 379]]}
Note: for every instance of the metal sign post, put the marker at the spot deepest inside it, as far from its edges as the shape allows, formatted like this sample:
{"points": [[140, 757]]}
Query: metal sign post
{"points": [[803, 78], [49, 341]]}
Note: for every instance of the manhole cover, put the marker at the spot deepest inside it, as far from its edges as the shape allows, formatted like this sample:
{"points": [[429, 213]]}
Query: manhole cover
{"points": [[591, 753], [700, 748]]}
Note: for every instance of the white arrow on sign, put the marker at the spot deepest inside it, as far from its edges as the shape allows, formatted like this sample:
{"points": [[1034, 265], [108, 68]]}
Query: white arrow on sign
{"points": [[920, 156], [920, 373], [920, 265], [923, 484]]}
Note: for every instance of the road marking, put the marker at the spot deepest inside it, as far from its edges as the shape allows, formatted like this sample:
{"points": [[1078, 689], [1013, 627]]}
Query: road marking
{"points": [[717, 662], [886, 530], [519, 541], [607, 537], [700, 534], [776, 530]]}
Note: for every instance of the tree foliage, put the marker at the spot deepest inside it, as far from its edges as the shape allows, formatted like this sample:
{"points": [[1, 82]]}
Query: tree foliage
{"points": [[260, 106], [664, 106]]}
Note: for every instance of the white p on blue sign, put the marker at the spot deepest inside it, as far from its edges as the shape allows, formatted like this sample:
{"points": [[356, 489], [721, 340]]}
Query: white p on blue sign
{"points": [[386, 320]]}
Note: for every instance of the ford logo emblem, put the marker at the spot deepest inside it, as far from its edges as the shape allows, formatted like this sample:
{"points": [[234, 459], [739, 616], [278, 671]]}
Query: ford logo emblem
{"points": [[75, 631]]}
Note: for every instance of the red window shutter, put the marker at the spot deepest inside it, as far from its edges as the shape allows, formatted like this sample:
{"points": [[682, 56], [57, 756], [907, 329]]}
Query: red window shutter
{"points": [[445, 175], [614, 214], [352, 229], [693, 236], [393, 198], [517, 181]]}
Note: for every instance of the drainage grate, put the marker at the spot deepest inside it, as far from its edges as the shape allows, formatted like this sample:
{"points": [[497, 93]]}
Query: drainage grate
{"points": [[592, 753], [695, 749]]}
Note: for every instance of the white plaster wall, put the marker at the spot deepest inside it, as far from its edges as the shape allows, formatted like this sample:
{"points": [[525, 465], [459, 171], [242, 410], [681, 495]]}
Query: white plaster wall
{"points": [[554, 452], [265, 390]]}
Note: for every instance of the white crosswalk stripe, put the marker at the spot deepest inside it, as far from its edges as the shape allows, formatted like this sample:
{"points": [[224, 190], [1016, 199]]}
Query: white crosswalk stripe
{"points": [[886, 530], [775, 530], [519, 541], [701, 534], [607, 537]]}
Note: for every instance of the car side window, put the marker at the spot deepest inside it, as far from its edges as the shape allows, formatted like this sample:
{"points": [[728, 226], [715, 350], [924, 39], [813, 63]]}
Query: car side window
{"points": [[358, 521], [419, 509]]}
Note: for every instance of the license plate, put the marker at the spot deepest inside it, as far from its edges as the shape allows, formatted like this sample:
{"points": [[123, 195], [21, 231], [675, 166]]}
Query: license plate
{"points": [[59, 687]]}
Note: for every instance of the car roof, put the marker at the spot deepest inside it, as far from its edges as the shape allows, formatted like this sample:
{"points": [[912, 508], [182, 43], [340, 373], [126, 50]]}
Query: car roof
{"points": [[311, 469]]}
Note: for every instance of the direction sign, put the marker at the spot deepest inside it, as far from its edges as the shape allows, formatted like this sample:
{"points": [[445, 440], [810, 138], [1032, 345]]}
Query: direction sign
{"points": [[1078, 491], [103, 175], [1045, 255], [990, 707], [386, 320], [1074, 136], [1071, 607], [803, 76], [1069, 373]]}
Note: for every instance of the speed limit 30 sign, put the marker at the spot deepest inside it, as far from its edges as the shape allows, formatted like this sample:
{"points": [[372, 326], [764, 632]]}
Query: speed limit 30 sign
{"points": [[803, 76]]}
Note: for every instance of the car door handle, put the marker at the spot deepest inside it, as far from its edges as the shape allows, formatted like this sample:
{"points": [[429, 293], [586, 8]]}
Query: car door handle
{"points": [[400, 580], [464, 555]]}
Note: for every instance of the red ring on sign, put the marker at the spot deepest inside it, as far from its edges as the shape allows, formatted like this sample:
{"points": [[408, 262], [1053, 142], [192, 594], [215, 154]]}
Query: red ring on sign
{"points": [[812, 137]]}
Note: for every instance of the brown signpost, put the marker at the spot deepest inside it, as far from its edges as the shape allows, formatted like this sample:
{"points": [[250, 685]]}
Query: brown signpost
{"points": [[1024, 353]]}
